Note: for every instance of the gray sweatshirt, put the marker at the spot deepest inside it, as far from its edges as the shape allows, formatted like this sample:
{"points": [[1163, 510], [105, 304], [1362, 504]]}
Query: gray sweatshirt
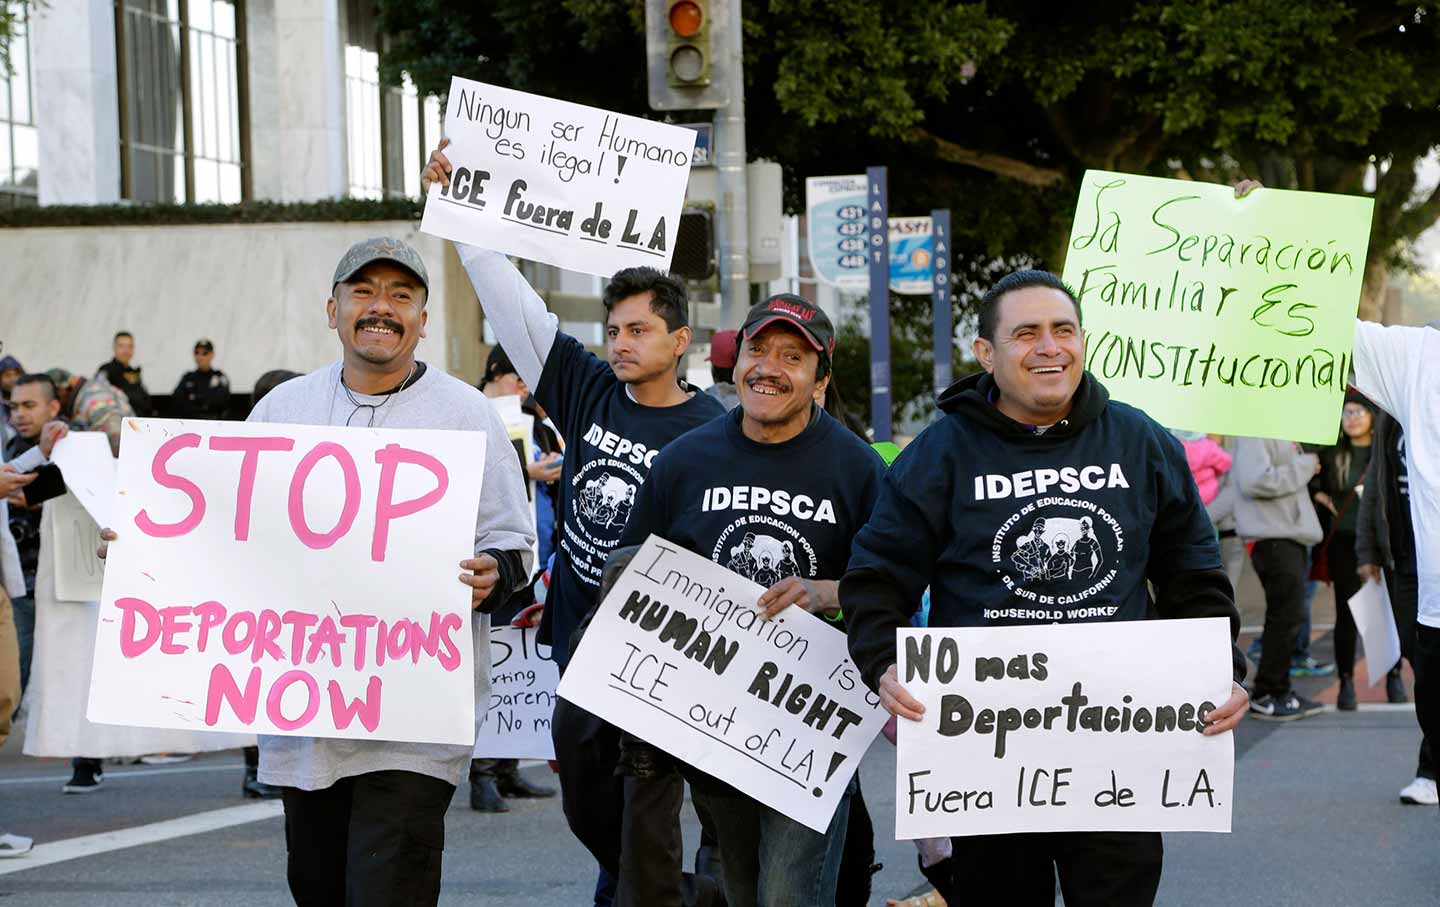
{"points": [[1272, 478], [435, 400]]}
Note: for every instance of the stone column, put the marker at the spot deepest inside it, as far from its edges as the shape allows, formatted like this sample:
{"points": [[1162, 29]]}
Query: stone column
{"points": [[72, 64]]}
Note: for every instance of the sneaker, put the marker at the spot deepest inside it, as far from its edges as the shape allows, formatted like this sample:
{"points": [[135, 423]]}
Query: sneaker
{"points": [[19, 845], [1395, 688], [1290, 707], [1345, 699], [1420, 792], [86, 779], [1310, 666]]}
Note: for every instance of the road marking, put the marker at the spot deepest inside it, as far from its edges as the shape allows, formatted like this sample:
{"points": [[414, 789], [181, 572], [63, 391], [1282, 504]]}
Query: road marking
{"points": [[155, 832], [1257, 629], [123, 773]]}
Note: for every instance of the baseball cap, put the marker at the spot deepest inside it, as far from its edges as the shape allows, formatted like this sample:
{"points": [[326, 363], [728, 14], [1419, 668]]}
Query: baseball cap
{"points": [[722, 349], [205, 345], [380, 248], [813, 323]]}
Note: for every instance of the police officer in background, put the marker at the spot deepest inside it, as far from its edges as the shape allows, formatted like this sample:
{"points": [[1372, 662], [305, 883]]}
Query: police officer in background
{"points": [[205, 392]]}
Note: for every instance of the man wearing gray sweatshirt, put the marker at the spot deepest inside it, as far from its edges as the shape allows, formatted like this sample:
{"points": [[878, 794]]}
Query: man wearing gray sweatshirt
{"points": [[1273, 510], [365, 819]]}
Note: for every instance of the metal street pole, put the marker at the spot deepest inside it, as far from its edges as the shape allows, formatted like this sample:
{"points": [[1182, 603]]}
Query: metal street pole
{"points": [[732, 211], [877, 216], [940, 300]]}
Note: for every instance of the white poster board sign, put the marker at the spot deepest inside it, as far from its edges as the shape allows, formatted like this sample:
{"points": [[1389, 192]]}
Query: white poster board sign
{"points": [[290, 579], [89, 468], [1376, 622], [523, 679], [78, 569], [679, 655], [1073, 727], [570, 185]]}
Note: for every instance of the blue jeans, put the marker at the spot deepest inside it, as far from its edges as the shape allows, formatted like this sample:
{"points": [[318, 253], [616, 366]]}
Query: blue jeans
{"points": [[769, 859]]}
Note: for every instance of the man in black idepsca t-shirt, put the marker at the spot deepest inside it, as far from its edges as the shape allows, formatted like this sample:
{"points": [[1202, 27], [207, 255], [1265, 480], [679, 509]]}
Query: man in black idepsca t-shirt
{"points": [[774, 491], [615, 417], [1033, 480]]}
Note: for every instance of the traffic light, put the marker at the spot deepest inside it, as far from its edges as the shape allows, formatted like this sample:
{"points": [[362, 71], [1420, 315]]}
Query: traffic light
{"points": [[694, 256], [685, 46]]}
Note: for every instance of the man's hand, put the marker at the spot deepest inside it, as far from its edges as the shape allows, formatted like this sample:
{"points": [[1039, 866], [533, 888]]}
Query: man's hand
{"points": [[1230, 713], [896, 700], [1369, 572], [12, 481], [1245, 187], [545, 469], [437, 170], [106, 537], [51, 432], [814, 595], [484, 573]]}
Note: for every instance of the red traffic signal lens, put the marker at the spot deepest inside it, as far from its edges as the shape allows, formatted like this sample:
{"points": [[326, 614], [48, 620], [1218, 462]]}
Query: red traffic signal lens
{"points": [[686, 18]]}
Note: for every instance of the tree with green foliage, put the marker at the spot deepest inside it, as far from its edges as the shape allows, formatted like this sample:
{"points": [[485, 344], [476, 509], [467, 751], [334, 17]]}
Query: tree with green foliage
{"points": [[996, 110]]}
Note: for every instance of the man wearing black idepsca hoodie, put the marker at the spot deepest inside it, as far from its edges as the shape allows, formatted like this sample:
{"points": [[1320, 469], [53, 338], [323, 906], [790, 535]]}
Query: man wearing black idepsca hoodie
{"points": [[1036, 425]]}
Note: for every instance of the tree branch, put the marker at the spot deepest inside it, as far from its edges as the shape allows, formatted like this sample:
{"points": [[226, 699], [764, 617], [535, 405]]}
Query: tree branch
{"points": [[1414, 221], [998, 164]]}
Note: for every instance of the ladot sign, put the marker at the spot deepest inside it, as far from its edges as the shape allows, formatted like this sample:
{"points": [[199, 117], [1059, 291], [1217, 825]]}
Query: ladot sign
{"points": [[287, 579]]}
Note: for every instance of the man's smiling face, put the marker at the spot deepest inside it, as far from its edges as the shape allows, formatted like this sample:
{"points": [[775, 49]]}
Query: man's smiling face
{"points": [[1037, 356], [379, 313]]}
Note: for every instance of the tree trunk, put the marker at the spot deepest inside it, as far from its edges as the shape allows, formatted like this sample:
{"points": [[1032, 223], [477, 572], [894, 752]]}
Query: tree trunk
{"points": [[1374, 288]]}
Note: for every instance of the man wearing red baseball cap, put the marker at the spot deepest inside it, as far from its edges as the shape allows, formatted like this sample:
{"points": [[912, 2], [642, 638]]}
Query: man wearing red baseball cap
{"points": [[722, 369]]}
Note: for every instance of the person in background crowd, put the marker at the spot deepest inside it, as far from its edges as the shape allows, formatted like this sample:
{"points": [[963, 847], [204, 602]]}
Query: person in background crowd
{"points": [[722, 369], [125, 376], [92, 405], [1385, 544], [1337, 491], [205, 392], [492, 780], [1034, 407], [1208, 462], [778, 436], [10, 372], [34, 402], [616, 417]]}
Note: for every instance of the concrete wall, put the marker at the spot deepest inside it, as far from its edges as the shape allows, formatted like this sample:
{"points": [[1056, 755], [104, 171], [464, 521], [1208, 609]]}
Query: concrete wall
{"points": [[257, 290]]}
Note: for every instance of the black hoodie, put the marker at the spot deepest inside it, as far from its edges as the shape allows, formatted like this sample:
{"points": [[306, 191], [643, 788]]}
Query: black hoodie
{"points": [[1010, 525]]}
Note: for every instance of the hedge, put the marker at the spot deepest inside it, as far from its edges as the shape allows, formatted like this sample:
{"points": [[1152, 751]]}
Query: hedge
{"points": [[329, 210]]}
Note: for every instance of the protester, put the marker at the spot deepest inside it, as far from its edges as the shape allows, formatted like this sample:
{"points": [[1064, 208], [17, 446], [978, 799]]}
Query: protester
{"points": [[1337, 489], [1385, 545], [1273, 510], [203, 393], [492, 780], [125, 376], [93, 405], [1034, 407], [365, 819], [722, 369], [777, 440], [33, 402], [12, 480], [1208, 462], [1394, 368], [10, 372], [616, 417]]}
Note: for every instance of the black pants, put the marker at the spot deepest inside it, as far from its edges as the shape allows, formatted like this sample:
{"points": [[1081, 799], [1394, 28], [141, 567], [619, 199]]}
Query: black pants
{"points": [[1281, 566], [373, 839], [1340, 561], [1426, 661], [587, 751], [1096, 869], [1404, 603]]}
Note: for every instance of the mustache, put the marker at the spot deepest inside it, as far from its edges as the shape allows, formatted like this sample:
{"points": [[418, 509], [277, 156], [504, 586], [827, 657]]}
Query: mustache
{"points": [[388, 323], [782, 386]]}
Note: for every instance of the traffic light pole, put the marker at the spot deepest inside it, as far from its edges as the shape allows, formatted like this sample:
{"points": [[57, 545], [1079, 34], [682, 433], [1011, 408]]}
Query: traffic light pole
{"points": [[732, 226]]}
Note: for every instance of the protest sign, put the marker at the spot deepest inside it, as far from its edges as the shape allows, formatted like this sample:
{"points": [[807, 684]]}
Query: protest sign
{"points": [[679, 655], [1218, 314], [835, 224], [291, 579], [88, 467], [75, 539], [515, 723], [1375, 620], [570, 185], [1054, 727]]}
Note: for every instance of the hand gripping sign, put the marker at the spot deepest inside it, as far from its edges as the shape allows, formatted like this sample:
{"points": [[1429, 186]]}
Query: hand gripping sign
{"points": [[679, 655], [287, 579], [562, 183], [1056, 727]]}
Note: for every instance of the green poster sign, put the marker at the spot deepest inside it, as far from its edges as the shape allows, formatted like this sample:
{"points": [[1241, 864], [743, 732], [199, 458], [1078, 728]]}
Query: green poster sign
{"points": [[1218, 314]]}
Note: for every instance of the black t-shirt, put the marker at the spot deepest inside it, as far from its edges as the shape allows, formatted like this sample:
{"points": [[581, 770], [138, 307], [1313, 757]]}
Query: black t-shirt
{"points": [[764, 511], [612, 442]]}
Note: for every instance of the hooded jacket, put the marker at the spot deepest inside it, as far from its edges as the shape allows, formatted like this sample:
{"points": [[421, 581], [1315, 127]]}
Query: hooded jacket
{"points": [[1010, 525]]}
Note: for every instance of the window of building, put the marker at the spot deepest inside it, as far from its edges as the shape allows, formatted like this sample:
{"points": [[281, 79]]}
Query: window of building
{"points": [[181, 68], [390, 129], [19, 149]]}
